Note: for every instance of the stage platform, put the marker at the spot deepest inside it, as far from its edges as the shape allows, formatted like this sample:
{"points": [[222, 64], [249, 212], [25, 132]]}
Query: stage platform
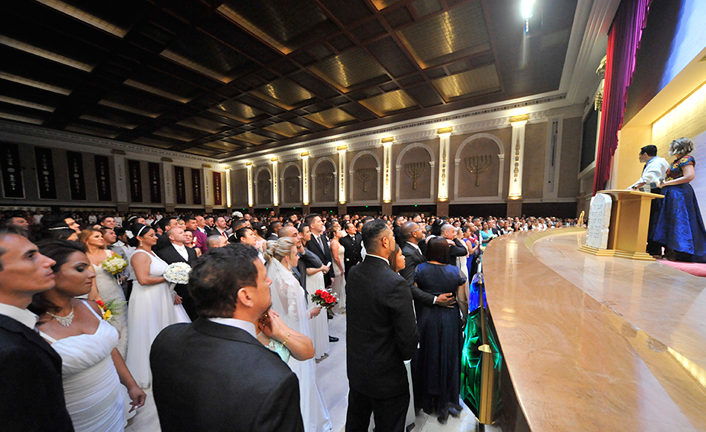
{"points": [[596, 343]]}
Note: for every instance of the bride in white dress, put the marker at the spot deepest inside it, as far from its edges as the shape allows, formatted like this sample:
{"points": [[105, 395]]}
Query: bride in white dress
{"points": [[153, 306], [339, 281], [288, 301], [92, 369], [106, 284]]}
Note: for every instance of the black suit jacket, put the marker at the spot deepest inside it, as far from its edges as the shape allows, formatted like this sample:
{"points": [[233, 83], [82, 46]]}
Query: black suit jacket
{"points": [[306, 260], [170, 255], [213, 377], [352, 246], [324, 255], [162, 242], [457, 250], [381, 329], [31, 392], [412, 258]]}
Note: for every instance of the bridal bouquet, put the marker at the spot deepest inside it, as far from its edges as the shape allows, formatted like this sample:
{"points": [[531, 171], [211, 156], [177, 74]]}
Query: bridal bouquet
{"points": [[110, 309], [324, 299], [177, 273], [114, 264]]}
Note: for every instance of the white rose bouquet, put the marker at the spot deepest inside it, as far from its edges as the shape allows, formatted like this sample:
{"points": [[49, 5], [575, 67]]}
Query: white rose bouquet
{"points": [[177, 273], [114, 264]]}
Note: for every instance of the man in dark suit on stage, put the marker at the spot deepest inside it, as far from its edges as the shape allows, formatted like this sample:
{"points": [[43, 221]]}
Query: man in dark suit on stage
{"points": [[413, 234], [177, 252], [31, 391], [213, 374], [382, 334], [352, 245]]}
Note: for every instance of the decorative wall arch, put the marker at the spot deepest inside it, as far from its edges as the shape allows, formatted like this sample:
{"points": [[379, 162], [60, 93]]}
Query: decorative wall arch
{"points": [[257, 187], [313, 181], [398, 169], [501, 167], [351, 173], [282, 183]]}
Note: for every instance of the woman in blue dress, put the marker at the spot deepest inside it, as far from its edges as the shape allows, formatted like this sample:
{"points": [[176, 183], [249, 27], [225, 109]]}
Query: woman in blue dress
{"points": [[436, 369], [680, 227]]}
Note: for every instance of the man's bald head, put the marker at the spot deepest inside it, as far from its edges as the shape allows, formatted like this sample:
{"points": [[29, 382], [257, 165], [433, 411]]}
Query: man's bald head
{"points": [[408, 228], [288, 231]]}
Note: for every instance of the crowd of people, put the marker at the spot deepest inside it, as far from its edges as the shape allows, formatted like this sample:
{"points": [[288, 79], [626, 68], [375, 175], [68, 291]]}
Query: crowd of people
{"points": [[401, 282]]}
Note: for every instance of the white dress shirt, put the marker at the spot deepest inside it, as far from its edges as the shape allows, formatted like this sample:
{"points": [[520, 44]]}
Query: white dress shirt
{"points": [[22, 315], [243, 325], [654, 171], [182, 251], [379, 257]]}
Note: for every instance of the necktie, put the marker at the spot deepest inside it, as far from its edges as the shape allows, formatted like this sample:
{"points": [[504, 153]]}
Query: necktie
{"points": [[224, 234], [321, 242]]}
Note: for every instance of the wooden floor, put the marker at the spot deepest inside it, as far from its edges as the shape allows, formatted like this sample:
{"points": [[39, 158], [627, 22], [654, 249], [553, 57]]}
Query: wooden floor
{"points": [[331, 376], [597, 343]]}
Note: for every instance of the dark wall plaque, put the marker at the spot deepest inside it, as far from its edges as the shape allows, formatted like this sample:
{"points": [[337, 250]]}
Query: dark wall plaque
{"points": [[217, 190], [180, 184], [77, 183], [135, 177], [13, 187], [155, 183], [196, 182], [45, 173], [103, 178]]}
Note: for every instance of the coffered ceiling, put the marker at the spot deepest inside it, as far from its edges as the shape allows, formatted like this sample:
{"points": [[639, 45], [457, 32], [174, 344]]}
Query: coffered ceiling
{"points": [[224, 78]]}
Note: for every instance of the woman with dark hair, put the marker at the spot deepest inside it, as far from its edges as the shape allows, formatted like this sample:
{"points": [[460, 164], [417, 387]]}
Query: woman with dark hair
{"points": [[92, 367], [680, 228], [436, 368], [153, 306], [106, 284]]}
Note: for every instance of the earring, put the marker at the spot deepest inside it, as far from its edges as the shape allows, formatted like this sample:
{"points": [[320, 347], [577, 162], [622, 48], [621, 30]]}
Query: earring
{"points": [[140, 243]]}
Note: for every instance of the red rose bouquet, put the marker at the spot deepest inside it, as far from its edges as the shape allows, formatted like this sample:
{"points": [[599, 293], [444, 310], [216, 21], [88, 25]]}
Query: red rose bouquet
{"points": [[324, 298]]}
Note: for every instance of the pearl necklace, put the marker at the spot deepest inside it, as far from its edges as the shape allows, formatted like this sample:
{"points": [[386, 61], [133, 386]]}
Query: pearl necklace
{"points": [[64, 321]]}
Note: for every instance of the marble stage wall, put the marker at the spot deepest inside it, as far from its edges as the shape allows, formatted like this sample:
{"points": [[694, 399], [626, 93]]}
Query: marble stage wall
{"points": [[597, 343]]}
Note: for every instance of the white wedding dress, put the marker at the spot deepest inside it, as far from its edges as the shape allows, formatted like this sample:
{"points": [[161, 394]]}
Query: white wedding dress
{"points": [[94, 396], [339, 282], [288, 301], [150, 310], [319, 324], [109, 289]]}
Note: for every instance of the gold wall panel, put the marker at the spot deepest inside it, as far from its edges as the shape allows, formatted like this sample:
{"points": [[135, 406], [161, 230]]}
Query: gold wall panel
{"points": [[389, 102], [481, 80], [452, 34]]}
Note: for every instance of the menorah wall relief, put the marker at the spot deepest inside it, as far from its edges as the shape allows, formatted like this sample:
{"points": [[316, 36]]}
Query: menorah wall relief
{"points": [[325, 179], [290, 183], [478, 164], [365, 175], [263, 187], [414, 170]]}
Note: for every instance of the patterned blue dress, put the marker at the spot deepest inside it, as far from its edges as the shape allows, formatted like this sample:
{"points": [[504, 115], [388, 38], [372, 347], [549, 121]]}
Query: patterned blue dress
{"points": [[680, 226]]}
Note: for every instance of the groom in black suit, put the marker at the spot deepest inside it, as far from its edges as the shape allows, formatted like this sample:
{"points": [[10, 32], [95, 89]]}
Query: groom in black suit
{"points": [[31, 392], [319, 245], [382, 334], [177, 252], [352, 246], [213, 374]]}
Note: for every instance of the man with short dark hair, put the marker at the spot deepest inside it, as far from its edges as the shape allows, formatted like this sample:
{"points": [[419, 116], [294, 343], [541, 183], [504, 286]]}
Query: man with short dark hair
{"points": [[165, 223], [221, 228], [18, 221], [382, 334], [177, 252], [273, 230], [203, 373], [351, 242], [653, 172], [31, 391], [107, 222]]}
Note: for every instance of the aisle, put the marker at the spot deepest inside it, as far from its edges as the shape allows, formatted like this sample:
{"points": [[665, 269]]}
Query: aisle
{"points": [[331, 376]]}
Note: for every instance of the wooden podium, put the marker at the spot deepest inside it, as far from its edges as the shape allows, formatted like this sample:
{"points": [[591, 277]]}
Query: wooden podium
{"points": [[629, 223]]}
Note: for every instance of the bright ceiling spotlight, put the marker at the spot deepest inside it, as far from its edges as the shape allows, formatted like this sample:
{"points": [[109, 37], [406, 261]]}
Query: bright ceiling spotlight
{"points": [[527, 9]]}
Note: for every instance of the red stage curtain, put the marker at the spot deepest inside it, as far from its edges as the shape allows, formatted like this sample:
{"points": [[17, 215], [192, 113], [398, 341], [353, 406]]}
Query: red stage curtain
{"points": [[623, 41]]}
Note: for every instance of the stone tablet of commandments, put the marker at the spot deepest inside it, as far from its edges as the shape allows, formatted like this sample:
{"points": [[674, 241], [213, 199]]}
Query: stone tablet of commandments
{"points": [[599, 221]]}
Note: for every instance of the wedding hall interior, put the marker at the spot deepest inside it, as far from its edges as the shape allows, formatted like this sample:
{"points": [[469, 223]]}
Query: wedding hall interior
{"points": [[522, 115]]}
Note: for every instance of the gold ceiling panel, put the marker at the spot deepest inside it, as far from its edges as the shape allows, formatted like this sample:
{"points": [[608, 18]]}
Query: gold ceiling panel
{"points": [[283, 92], [222, 145], [389, 102], [348, 69], [476, 81], [46, 54], [175, 134], [156, 91], [19, 118], [200, 123], [36, 84], [202, 151], [153, 142], [176, 58], [106, 121], [252, 138], [27, 104], [236, 111], [458, 32], [86, 17], [89, 130], [382, 4], [287, 129], [331, 117]]}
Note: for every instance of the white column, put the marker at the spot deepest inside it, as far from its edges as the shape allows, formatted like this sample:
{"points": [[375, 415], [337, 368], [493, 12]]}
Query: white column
{"points": [[228, 197], [305, 178], [120, 178], [444, 145], [341, 174], [251, 202], [168, 176], [518, 151], [387, 168], [208, 184], [275, 182]]}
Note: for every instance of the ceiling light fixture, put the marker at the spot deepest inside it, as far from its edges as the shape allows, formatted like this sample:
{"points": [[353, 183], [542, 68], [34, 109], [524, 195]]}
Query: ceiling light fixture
{"points": [[527, 9]]}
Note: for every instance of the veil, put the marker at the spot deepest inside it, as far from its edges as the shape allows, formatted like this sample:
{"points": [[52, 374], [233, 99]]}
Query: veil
{"points": [[288, 298]]}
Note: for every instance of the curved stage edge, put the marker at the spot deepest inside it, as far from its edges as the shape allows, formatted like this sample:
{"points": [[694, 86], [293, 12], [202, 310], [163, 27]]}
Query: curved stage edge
{"points": [[595, 343]]}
